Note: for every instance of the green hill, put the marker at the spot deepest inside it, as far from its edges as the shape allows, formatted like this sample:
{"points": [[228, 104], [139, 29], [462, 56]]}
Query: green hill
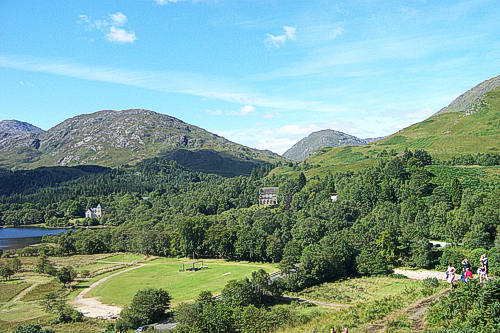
{"points": [[444, 135]]}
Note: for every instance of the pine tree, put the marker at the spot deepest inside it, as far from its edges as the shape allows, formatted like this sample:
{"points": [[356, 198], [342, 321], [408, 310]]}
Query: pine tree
{"points": [[456, 192]]}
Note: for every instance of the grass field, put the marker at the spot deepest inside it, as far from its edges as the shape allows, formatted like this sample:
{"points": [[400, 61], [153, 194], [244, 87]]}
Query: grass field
{"points": [[123, 258], [372, 299], [10, 290], [351, 291], [165, 274]]}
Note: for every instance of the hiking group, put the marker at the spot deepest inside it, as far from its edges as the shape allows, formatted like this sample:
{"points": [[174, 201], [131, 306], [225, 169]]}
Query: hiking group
{"points": [[482, 271]]}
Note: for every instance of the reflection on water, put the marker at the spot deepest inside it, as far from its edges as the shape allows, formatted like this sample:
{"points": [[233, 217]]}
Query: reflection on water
{"points": [[16, 238]]}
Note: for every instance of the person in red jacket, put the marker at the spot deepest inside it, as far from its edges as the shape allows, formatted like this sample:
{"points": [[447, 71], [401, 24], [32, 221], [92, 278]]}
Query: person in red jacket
{"points": [[468, 274]]}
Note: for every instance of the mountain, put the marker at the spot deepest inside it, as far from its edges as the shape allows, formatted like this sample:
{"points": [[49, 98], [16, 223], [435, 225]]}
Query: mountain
{"points": [[457, 131], [113, 138], [18, 141], [321, 139], [16, 127], [470, 101]]}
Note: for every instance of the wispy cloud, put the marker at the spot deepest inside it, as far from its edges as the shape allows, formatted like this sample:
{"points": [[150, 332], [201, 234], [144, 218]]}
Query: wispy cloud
{"points": [[330, 57], [164, 2], [167, 81], [245, 110], [111, 27], [280, 40], [214, 112]]}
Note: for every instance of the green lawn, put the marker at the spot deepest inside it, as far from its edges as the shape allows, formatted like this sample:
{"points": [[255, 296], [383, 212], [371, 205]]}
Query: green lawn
{"points": [[124, 257], [182, 286]]}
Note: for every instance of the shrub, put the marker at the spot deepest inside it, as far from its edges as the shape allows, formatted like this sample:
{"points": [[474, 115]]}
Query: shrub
{"points": [[475, 256], [429, 286], [494, 261], [239, 293], [453, 255], [32, 329], [397, 276], [148, 305]]}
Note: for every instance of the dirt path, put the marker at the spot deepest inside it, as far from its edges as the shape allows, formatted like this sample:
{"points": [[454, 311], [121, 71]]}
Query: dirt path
{"points": [[420, 275], [415, 312], [92, 307], [24, 292]]}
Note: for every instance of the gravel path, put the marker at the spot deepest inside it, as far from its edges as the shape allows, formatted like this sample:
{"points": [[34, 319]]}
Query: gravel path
{"points": [[421, 275], [92, 307]]}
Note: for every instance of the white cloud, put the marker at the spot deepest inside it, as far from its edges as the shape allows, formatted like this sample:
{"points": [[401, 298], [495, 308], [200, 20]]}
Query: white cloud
{"points": [[333, 57], [118, 19], [214, 112], [336, 32], [290, 32], [247, 109], [164, 2], [110, 27], [280, 40], [270, 115], [119, 35], [168, 81]]}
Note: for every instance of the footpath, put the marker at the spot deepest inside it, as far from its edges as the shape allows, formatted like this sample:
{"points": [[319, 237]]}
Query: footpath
{"points": [[92, 307], [420, 274]]}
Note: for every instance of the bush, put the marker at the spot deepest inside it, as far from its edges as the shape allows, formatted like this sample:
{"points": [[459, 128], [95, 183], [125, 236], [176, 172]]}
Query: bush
{"points": [[453, 255], [475, 256], [429, 286], [397, 276], [494, 261], [239, 293], [32, 329], [471, 308], [148, 306]]}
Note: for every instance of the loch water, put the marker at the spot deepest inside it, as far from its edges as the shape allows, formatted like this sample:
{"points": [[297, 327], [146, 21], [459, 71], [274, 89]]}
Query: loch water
{"points": [[16, 238]]}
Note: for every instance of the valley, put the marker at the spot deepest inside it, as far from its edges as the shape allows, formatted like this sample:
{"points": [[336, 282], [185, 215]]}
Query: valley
{"points": [[179, 237]]}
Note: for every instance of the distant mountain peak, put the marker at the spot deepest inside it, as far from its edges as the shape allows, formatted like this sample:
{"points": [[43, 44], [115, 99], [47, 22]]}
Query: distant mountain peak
{"points": [[470, 100], [321, 139], [18, 127]]}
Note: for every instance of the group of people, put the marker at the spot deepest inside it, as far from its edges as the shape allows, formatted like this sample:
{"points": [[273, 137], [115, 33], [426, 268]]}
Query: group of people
{"points": [[482, 271]]}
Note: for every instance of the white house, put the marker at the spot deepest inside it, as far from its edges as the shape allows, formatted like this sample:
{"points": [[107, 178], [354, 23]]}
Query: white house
{"points": [[94, 212]]}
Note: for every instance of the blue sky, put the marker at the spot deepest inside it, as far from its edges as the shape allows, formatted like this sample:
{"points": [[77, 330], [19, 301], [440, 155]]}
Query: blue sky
{"points": [[261, 73]]}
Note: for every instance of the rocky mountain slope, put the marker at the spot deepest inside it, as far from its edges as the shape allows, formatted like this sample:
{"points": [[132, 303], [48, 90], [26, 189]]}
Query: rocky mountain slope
{"points": [[15, 127], [470, 101], [113, 138], [321, 139]]}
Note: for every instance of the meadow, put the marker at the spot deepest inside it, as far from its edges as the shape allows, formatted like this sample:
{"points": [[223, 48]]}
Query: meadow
{"points": [[378, 304], [182, 286]]}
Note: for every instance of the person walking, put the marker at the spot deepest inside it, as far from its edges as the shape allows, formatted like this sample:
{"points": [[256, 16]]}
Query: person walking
{"points": [[484, 261], [466, 264], [451, 275]]}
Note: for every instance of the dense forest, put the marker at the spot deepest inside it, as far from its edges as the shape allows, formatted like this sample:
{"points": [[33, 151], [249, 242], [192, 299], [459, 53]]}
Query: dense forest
{"points": [[385, 216]]}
